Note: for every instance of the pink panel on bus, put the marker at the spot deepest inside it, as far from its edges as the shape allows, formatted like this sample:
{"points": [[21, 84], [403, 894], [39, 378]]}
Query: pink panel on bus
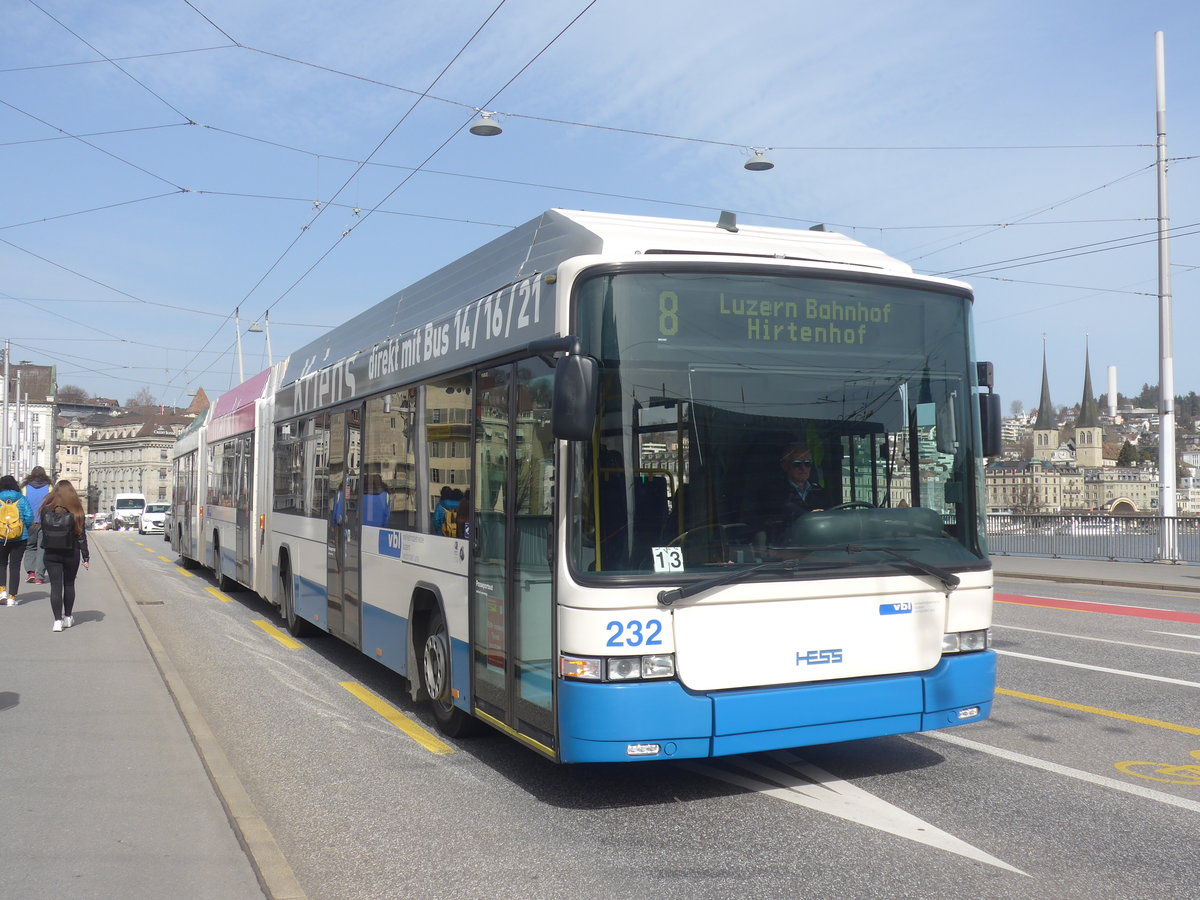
{"points": [[233, 412]]}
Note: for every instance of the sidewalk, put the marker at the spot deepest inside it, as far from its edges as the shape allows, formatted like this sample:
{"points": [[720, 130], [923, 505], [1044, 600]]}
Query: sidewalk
{"points": [[1157, 576], [102, 790]]}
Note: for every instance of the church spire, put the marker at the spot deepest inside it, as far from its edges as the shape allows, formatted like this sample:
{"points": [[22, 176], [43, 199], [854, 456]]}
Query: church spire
{"points": [[1089, 410], [1046, 419], [1045, 428]]}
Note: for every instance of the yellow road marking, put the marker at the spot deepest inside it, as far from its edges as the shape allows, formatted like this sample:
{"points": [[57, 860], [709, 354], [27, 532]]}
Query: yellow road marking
{"points": [[1095, 710], [147, 549], [164, 559], [277, 634], [182, 571], [1190, 773], [219, 595], [419, 734]]}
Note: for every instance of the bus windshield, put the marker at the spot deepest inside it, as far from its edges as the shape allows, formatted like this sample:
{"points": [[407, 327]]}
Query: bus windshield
{"points": [[748, 417]]}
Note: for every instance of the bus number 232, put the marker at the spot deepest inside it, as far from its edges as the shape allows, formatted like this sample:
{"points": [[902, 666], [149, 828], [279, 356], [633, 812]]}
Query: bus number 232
{"points": [[634, 633]]}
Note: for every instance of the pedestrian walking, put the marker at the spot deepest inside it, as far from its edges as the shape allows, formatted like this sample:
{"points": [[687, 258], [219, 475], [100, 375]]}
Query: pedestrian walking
{"points": [[65, 541], [36, 487], [15, 519]]}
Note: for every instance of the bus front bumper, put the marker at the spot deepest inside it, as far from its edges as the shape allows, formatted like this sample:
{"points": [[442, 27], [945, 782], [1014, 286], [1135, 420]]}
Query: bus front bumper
{"points": [[664, 720]]}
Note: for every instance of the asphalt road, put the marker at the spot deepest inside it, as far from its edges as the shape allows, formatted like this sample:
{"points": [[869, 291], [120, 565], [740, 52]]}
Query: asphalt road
{"points": [[1085, 782]]}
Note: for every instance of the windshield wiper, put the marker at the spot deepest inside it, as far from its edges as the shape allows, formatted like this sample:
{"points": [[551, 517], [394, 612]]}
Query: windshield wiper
{"points": [[948, 579], [666, 598]]}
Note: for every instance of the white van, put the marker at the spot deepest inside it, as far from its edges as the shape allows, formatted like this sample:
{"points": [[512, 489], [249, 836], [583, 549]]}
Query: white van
{"points": [[127, 510]]}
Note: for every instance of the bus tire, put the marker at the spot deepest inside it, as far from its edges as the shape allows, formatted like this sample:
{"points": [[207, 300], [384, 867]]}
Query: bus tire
{"points": [[296, 626], [186, 561], [224, 582], [436, 671]]}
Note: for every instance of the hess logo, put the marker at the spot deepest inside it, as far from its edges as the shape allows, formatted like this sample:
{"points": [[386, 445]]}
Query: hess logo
{"points": [[818, 657]]}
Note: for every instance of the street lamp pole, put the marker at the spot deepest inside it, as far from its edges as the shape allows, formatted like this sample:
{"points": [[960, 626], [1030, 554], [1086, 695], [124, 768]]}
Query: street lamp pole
{"points": [[1166, 363]]}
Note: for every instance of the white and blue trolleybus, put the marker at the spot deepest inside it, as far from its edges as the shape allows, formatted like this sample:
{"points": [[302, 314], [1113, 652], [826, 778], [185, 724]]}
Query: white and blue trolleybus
{"points": [[553, 485]]}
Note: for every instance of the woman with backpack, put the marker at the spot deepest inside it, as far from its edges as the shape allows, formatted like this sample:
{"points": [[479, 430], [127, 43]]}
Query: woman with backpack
{"points": [[15, 518], [65, 542], [37, 486]]}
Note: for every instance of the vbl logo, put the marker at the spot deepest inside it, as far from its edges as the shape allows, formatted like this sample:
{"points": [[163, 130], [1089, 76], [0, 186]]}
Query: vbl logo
{"points": [[819, 657]]}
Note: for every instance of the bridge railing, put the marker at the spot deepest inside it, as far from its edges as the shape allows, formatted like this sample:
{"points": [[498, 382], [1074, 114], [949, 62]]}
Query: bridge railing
{"points": [[1123, 538]]}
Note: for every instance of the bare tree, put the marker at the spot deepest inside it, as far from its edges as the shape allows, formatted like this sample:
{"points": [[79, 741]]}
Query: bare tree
{"points": [[1016, 408], [1025, 500], [71, 393], [143, 397]]}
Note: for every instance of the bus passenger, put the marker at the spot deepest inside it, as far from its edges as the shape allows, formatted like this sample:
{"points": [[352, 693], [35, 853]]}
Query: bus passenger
{"points": [[377, 504], [445, 514]]}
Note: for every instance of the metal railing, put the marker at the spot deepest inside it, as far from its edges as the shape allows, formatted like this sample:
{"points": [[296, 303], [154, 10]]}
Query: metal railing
{"points": [[1124, 538]]}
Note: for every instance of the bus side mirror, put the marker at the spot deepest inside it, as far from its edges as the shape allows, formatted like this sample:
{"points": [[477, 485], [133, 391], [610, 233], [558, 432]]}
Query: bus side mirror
{"points": [[576, 387], [989, 424]]}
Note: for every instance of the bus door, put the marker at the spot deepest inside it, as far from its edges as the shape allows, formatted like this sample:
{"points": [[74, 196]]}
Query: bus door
{"points": [[244, 524], [343, 583], [512, 507]]}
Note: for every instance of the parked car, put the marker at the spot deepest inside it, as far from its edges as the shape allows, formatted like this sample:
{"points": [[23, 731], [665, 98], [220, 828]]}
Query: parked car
{"points": [[151, 521]]}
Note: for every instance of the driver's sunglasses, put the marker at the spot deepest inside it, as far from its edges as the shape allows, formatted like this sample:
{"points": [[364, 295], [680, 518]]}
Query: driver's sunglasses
{"points": [[802, 462]]}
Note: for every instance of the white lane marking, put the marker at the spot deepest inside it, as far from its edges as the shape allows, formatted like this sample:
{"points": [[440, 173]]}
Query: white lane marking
{"points": [[1075, 665], [802, 783], [1108, 640], [1195, 637], [1034, 762]]}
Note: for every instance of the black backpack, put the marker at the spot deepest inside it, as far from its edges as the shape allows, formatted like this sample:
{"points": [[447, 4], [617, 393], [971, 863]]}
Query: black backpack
{"points": [[58, 529]]}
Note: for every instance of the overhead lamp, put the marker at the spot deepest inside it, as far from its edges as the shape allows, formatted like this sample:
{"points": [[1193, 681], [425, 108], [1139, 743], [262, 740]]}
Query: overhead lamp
{"points": [[758, 162], [485, 125]]}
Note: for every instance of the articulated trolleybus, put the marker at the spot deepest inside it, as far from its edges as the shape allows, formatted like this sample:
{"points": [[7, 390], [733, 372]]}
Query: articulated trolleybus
{"points": [[558, 486]]}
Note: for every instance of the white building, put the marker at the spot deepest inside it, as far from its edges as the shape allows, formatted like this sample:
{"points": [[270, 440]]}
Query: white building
{"points": [[29, 416]]}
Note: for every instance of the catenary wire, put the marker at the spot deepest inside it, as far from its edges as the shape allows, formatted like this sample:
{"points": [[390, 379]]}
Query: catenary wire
{"points": [[296, 239], [111, 62]]}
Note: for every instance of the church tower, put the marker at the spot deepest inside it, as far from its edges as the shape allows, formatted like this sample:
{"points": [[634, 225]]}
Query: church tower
{"points": [[1045, 428], [1089, 433]]}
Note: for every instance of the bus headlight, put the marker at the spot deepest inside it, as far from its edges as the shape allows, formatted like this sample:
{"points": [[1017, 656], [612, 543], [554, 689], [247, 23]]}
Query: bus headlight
{"points": [[966, 641], [580, 667], [624, 668], [617, 668]]}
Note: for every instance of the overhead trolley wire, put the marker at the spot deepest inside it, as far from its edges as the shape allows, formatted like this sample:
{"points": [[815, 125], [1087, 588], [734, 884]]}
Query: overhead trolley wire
{"points": [[1068, 252], [112, 62], [107, 153], [296, 239]]}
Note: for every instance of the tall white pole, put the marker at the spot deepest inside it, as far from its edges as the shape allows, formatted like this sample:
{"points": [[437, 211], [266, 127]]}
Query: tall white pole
{"points": [[267, 330], [27, 441], [4, 445], [1166, 366], [19, 442]]}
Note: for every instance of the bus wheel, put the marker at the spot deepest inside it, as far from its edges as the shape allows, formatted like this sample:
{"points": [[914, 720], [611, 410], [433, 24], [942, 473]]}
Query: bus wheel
{"points": [[435, 676], [224, 582], [296, 626]]}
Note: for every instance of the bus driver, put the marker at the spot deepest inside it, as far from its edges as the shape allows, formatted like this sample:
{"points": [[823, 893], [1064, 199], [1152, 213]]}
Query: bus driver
{"points": [[798, 493]]}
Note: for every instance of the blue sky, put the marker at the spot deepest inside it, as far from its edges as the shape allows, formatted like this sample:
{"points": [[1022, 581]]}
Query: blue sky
{"points": [[123, 255]]}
